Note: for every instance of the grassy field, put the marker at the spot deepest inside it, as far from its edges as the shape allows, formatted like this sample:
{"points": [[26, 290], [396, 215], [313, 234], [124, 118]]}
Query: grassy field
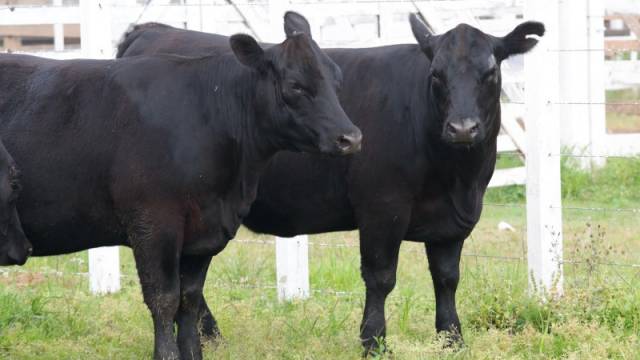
{"points": [[48, 316]]}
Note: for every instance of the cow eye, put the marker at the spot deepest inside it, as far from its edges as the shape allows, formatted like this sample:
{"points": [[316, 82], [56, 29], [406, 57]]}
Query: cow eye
{"points": [[15, 185], [14, 179], [298, 89], [437, 78]]}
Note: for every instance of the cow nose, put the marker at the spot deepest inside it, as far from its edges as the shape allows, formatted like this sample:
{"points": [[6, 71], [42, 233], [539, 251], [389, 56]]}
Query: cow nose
{"points": [[18, 257], [349, 143], [463, 131]]}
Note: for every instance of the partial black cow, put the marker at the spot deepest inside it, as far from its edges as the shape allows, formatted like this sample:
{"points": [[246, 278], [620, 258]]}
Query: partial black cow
{"points": [[430, 114], [15, 248], [163, 154]]}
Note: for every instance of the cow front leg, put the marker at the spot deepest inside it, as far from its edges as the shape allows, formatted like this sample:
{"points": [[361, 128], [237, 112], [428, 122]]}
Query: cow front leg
{"points": [[444, 264], [193, 272], [380, 238], [156, 247]]}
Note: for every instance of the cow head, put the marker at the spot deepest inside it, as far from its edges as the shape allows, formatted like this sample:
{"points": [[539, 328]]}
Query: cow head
{"points": [[465, 79], [15, 248], [296, 91]]}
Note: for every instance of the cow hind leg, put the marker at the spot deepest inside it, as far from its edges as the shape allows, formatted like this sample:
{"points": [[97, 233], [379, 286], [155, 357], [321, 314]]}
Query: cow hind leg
{"points": [[444, 264], [193, 272], [156, 245], [208, 326], [209, 330]]}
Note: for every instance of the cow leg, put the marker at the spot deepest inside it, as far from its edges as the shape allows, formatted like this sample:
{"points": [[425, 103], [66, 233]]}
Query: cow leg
{"points": [[193, 272], [444, 264], [380, 238], [208, 325], [156, 245]]}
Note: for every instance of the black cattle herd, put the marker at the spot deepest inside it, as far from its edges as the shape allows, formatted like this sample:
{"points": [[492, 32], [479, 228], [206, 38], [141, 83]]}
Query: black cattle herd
{"points": [[171, 147]]}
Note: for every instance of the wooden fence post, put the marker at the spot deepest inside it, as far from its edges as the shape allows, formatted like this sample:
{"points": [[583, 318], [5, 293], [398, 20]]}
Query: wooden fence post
{"points": [[544, 213], [95, 29], [96, 42], [58, 31], [104, 270], [292, 267], [597, 82], [582, 79]]}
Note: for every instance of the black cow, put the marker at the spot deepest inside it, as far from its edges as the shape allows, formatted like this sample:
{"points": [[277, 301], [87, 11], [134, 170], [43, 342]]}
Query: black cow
{"points": [[15, 248], [430, 114], [163, 154]]}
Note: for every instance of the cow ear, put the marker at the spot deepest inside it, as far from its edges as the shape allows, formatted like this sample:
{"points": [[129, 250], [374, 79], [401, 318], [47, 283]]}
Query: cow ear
{"points": [[518, 40], [295, 24], [247, 50], [423, 34]]}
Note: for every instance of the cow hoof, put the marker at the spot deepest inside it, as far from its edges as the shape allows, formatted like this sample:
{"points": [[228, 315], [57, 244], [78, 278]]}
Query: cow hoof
{"points": [[172, 355], [376, 348], [452, 340], [214, 339], [210, 333]]}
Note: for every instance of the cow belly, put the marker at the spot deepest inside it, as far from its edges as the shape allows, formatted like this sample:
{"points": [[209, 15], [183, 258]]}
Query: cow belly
{"points": [[65, 238], [205, 245], [211, 241], [303, 218], [208, 230]]}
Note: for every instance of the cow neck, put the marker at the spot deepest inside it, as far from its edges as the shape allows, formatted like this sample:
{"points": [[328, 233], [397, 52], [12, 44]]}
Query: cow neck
{"points": [[253, 149], [462, 173]]}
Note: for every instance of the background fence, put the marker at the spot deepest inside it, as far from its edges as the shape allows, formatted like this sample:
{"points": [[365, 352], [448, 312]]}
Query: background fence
{"points": [[557, 93]]}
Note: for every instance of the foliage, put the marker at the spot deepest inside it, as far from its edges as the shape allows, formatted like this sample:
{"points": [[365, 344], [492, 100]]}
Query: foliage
{"points": [[617, 184]]}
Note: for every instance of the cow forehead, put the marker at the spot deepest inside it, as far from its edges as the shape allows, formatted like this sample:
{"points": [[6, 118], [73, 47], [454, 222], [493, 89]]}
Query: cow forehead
{"points": [[465, 47], [465, 42]]}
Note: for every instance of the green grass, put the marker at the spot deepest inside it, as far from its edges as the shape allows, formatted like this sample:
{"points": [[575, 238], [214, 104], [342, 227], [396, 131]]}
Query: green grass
{"points": [[47, 316], [617, 184]]}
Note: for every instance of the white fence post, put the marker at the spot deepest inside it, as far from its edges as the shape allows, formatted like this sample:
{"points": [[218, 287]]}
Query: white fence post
{"points": [[544, 213], [104, 270], [292, 267], [58, 31], [597, 81], [582, 74], [95, 38], [95, 29]]}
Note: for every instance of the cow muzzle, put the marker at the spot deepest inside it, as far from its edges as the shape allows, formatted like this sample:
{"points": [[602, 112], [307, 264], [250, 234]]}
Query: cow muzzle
{"points": [[18, 252], [462, 132], [349, 143]]}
